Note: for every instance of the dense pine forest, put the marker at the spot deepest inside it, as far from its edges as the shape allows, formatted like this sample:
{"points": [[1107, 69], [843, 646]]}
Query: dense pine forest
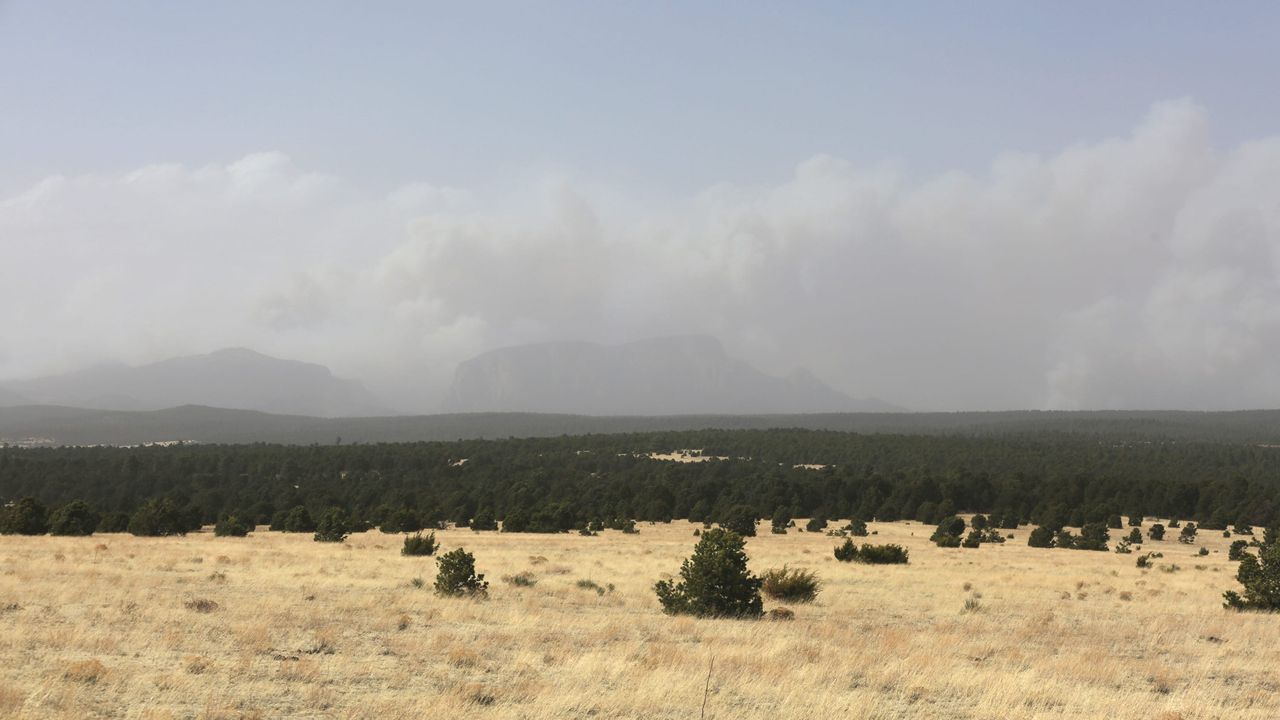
{"points": [[558, 484]]}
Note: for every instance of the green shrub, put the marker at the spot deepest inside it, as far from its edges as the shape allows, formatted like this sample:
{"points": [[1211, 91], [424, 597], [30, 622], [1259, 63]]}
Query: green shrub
{"points": [[873, 554], [1135, 519], [972, 540], [299, 520], [74, 518], [626, 525], [116, 522], [419, 544], [1237, 549], [456, 575], [159, 518], [515, 520], [1260, 576], [741, 520], [714, 581], [231, 526], [848, 552], [816, 524], [953, 525], [402, 520], [1188, 534], [980, 522], [484, 521], [780, 521], [1135, 536], [1041, 537], [857, 527], [947, 541], [787, 585], [333, 526], [1146, 560], [1093, 536], [1156, 532], [24, 517], [1203, 551]]}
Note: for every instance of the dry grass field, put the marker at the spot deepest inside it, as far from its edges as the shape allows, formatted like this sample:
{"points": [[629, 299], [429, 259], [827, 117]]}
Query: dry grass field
{"points": [[276, 625]]}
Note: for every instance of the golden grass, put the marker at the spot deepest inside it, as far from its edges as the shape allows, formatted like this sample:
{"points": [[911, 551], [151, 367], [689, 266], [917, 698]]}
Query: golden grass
{"points": [[276, 625]]}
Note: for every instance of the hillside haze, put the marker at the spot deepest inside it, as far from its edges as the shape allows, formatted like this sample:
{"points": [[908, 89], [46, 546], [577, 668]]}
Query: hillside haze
{"points": [[662, 376], [234, 378]]}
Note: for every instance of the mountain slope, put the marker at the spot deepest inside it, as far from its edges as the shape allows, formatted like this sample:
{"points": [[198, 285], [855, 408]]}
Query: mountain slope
{"points": [[663, 376], [235, 378], [9, 398]]}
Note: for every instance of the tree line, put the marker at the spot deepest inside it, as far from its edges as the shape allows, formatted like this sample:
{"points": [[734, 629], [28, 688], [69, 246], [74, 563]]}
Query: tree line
{"points": [[565, 483]]}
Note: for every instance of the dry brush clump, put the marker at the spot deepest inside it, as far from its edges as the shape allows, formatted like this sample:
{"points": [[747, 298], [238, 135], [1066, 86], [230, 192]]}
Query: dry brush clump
{"points": [[794, 585]]}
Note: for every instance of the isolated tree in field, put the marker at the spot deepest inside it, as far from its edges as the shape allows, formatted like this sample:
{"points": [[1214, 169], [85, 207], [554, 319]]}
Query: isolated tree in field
{"points": [[456, 575], [740, 519], [857, 527], [1156, 532], [333, 526], [1135, 536], [24, 517], [817, 523], [714, 581], [74, 518], [1260, 576]]}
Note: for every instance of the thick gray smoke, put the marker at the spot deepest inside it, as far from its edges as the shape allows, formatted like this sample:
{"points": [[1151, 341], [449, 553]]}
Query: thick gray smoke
{"points": [[1139, 271]]}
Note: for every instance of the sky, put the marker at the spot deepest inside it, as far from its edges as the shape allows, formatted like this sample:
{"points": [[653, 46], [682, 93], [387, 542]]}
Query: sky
{"points": [[949, 206]]}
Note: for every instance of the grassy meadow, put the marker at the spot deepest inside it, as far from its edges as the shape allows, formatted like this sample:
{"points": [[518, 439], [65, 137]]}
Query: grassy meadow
{"points": [[275, 625]]}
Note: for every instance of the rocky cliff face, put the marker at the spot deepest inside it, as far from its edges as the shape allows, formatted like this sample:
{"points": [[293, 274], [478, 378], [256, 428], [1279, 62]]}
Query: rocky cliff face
{"points": [[663, 376]]}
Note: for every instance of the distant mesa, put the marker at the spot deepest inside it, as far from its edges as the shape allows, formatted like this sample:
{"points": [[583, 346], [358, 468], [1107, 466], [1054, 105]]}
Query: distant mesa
{"points": [[683, 375], [235, 378]]}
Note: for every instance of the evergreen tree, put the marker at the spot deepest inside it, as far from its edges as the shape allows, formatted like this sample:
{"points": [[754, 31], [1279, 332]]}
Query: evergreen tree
{"points": [[714, 581]]}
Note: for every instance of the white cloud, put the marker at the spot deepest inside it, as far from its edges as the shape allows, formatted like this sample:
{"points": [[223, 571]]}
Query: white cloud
{"points": [[1136, 271]]}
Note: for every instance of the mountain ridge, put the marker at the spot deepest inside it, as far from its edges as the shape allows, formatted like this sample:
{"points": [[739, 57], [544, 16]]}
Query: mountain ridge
{"points": [[232, 378], [675, 375]]}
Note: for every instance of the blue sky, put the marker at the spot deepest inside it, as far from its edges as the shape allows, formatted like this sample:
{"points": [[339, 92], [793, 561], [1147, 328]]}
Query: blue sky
{"points": [[666, 97], [946, 205]]}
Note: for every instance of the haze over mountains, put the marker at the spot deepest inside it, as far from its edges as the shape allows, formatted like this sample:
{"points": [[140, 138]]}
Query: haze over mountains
{"points": [[662, 376], [234, 378]]}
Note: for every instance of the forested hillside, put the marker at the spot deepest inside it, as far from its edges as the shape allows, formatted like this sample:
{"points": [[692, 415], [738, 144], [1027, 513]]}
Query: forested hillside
{"points": [[561, 483]]}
